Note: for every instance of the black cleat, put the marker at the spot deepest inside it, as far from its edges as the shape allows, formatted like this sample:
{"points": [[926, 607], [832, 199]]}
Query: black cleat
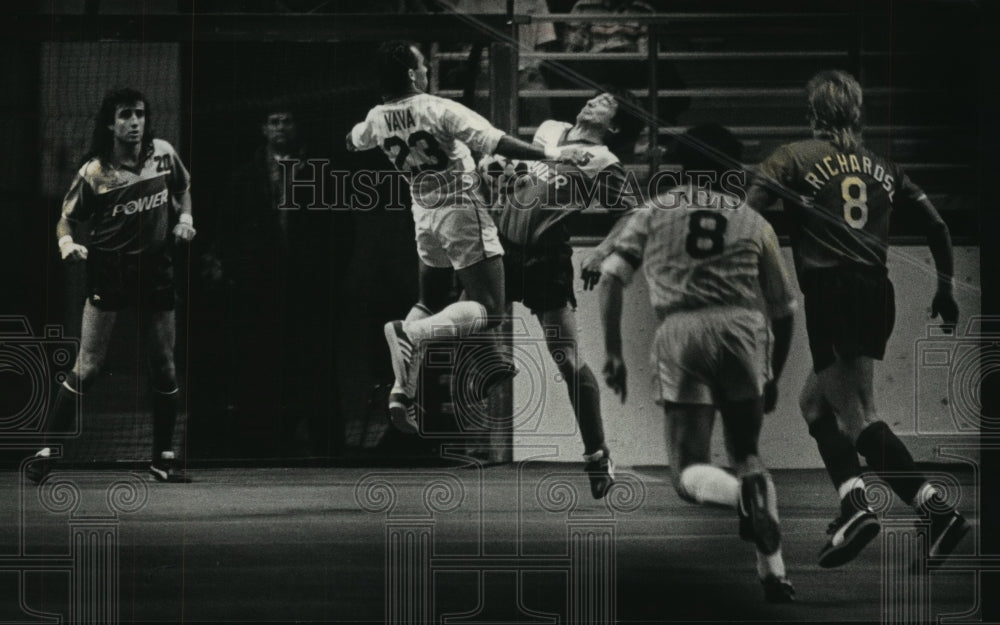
{"points": [[850, 532], [756, 522], [39, 466], [948, 528], [778, 589], [602, 475], [166, 469]]}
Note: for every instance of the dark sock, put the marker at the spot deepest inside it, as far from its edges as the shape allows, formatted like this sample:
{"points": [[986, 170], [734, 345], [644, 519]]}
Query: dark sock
{"points": [[888, 456], [62, 416], [164, 420], [839, 455], [585, 395]]}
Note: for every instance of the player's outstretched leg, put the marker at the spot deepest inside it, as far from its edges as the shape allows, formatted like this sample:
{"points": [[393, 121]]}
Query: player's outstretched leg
{"points": [[95, 332], [857, 524], [584, 395]]}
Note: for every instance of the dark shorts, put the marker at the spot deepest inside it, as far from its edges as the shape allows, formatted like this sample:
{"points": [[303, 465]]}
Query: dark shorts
{"points": [[116, 281], [541, 278], [849, 313]]}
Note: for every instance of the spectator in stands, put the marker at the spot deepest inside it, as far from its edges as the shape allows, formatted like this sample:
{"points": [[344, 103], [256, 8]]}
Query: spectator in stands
{"points": [[276, 262]]}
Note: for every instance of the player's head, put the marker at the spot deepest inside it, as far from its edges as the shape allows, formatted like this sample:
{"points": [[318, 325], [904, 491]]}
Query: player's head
{"points": [[834, 100], [280, 129], [401, 68], [124, 117], [709, 148], [616, 112]]}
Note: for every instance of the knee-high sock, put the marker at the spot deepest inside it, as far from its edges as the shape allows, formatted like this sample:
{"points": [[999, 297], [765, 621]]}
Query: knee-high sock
{"points": [[164, 420], [62, 415], [418, 312], [839, 456], [889, 457], [457, 320], [585, 395]]}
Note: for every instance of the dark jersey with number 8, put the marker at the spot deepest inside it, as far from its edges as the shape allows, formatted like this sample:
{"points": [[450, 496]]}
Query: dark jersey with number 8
{"points": [[846, 197]]}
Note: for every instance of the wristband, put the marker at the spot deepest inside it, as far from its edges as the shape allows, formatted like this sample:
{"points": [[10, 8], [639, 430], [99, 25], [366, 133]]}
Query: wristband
{"points": [[186, 219], [64, 239], [551, 153]]}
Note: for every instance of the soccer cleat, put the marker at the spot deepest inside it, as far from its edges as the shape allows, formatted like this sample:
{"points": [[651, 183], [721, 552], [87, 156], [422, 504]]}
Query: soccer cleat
{"points": [[948, 528], [777, 589], [402, 352], [856, 526], [166, 469], [602, 475], [756, 523], [39, 466], [403, 413]]}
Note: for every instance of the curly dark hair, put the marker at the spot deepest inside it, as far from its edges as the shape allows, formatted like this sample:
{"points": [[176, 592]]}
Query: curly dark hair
{"points": [[102, 142]]}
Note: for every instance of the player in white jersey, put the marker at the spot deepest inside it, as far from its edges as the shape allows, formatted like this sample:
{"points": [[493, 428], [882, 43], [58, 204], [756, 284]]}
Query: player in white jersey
{"points": [[538, 267], [705, 260], [428, 139]]}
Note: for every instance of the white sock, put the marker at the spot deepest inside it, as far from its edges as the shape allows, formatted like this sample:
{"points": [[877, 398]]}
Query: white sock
{"points": [[923, 495], [457, 320], [845, 489], [418, 312], [773, 564], [707, 483]]}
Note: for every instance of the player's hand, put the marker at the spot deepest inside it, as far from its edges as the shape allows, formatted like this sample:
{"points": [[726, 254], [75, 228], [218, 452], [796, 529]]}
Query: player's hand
{"points": [[573, 155], [770, 396], [72, 251], [590, 270], [944, 304], [184, 232], [615, 375]]}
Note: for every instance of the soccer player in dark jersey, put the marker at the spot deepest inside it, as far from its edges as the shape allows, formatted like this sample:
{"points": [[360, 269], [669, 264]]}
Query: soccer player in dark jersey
{"points": [[428, 139], [129, 191], [705, 260], [840, 195], [538, 269]]}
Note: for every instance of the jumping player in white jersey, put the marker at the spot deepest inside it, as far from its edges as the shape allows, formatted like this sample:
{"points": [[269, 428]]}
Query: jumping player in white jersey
{"points": [[538, 267], [428, 139], [129, 191], [704, 260]]}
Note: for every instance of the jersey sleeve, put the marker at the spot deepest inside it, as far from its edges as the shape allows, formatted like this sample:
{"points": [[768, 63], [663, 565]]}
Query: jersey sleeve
{"points": [[79, 202], [907, 189], [363, 134], [775, 282], [772, 176], [469, 127], [180, 178], [629, 247]]}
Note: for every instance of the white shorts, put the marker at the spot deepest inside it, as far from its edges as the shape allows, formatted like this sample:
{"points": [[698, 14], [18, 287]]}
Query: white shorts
{"points": [[457, 237], [712, 355]]}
